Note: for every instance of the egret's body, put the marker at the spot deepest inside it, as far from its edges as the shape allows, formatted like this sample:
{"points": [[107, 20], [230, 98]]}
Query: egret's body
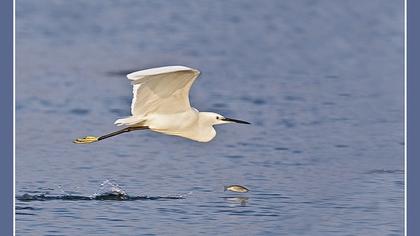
{"points": [[189, 124], [160, 103]]}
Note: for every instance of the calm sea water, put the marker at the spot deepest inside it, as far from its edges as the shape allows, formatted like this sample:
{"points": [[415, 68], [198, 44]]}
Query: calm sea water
{"points": [[321, 82]]}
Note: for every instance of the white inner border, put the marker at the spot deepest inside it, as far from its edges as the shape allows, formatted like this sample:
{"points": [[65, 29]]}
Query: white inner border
{"points": [[405, 117], [14, 117]]}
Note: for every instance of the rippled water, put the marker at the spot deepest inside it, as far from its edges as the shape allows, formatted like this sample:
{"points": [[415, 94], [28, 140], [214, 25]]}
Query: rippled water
{"points": [[320, 81]]}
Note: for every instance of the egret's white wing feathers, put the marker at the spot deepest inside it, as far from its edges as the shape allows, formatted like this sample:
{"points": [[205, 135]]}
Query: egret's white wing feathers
{"points": [[161, 90], [157, 71]]}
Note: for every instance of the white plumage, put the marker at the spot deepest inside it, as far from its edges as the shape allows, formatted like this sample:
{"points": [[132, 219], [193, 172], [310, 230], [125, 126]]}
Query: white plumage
{"points": [[161, 103], [162, 90]]}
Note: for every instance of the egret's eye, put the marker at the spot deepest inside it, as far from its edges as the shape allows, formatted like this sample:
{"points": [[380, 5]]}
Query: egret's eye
{"points": [[217, 117]]}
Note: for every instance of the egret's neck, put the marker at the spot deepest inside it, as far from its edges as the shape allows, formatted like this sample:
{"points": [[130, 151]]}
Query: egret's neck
{"points": [[206, 118], [204, 130]]}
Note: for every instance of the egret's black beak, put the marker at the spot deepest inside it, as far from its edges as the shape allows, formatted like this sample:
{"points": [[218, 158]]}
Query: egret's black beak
{"points": [[236, 121]]}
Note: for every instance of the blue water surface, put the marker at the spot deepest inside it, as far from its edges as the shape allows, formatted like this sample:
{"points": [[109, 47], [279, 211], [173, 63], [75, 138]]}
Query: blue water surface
{"points": [[320, 81]]}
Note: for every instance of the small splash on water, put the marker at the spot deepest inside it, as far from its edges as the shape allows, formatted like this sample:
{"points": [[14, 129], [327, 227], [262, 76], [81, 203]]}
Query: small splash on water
{"points": [[109, 188], [111, 196], [108, 191]]}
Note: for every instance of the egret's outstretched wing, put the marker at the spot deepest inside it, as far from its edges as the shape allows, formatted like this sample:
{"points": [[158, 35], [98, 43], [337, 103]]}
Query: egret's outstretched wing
{"points": [[161, 90]]}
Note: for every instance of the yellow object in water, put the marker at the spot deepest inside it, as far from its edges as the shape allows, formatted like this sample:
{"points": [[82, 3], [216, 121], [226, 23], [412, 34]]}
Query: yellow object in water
{"points": [[236, 188]]}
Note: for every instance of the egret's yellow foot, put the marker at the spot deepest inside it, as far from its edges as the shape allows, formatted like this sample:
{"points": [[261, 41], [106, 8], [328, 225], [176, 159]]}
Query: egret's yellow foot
{"points": [[85, 140]]}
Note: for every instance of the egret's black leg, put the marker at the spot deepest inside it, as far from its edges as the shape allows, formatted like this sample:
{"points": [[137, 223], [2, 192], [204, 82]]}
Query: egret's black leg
{"points": [[128, 129]]}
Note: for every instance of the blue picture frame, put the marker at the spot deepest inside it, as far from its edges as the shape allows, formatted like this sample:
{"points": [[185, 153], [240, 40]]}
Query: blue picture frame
{"points": [[412, 213]]}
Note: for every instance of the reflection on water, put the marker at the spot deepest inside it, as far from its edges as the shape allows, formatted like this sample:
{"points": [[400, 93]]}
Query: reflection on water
{"points": [[238, 200]]}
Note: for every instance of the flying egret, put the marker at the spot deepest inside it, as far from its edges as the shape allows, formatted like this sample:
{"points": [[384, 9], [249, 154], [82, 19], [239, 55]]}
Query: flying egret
{"points": [[160, 103]]}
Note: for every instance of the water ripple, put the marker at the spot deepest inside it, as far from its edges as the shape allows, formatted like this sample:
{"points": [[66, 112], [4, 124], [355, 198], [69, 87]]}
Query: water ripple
{"points": [[384, 171], [103, 197]]}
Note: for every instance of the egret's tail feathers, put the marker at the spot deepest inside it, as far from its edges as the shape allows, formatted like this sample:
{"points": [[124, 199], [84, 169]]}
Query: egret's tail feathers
{"points": [[131, 120]]}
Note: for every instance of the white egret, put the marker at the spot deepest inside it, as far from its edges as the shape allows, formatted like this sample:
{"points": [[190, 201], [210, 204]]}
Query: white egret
{"points": [[160, 103]]}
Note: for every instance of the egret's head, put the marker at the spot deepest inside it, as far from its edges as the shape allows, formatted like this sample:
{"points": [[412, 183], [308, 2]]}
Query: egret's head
{"points": [[217, 119]]}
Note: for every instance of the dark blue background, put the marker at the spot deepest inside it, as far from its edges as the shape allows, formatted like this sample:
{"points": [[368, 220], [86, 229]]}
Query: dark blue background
{"points": [[6, 121], [413, 117]]}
